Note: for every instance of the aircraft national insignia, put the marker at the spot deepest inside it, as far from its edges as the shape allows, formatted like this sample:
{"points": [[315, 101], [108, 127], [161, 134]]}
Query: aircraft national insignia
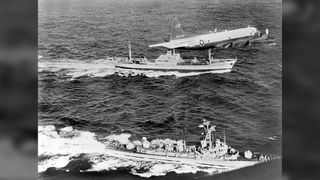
{"points": [[201, 43]]}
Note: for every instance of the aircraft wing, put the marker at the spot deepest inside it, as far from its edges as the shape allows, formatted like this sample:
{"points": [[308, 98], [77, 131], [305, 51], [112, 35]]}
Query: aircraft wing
{"points": [[167, 45]]}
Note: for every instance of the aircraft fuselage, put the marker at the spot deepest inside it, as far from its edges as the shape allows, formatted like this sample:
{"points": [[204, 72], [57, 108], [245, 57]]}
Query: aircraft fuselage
{"points": [[222, 39]]}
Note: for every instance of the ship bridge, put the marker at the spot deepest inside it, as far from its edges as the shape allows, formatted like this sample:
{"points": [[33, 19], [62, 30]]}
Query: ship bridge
{"points": [[170, 58]]}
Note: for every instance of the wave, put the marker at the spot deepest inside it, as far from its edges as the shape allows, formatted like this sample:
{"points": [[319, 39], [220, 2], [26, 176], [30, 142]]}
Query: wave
{"points": [[77, 68], [63, 148]]}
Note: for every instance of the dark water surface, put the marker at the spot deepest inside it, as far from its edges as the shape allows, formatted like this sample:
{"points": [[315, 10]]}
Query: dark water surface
{"points": [[246, 103]]}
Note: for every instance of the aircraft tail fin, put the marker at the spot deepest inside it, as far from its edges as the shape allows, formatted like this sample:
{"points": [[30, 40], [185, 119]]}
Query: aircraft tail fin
{"points": [[176, 30]]}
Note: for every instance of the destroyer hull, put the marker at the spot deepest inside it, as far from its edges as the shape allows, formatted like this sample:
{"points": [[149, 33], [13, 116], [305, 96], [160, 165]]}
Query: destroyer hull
{"points": [[224, 164], [217, 67]]}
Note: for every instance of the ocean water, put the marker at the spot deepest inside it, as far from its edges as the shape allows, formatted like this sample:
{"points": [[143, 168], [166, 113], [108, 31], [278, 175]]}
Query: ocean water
{"points": [[83, 99]]}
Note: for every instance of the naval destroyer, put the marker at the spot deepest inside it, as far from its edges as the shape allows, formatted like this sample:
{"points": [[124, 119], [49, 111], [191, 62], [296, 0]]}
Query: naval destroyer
{"points": [[212, 151]]}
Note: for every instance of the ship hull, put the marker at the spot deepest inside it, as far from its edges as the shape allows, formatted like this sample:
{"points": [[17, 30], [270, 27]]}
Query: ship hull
{"points": [[215, 67], [223, 164]]}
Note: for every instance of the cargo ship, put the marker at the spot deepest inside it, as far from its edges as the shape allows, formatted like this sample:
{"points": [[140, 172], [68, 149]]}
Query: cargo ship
{"points": [[172, 61]]}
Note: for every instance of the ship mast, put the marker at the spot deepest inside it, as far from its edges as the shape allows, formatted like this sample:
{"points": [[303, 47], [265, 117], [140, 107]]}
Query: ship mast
{"points": [[208, 132], [129, 47]]}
